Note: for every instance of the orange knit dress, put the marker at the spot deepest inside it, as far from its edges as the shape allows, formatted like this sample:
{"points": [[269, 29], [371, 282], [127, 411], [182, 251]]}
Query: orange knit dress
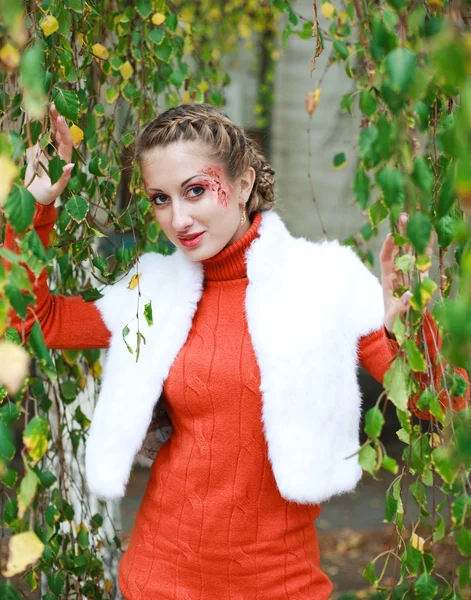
{"points": [[212, 524]]}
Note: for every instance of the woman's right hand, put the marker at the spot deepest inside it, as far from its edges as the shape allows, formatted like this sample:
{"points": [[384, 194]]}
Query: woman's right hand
{"points": [[37, 179]]}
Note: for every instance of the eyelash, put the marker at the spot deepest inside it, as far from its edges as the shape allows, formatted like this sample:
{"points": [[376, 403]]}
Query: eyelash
{"points": [[195, 187]]}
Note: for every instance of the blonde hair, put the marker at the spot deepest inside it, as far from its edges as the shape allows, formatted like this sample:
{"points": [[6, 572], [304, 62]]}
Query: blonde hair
{"points": [[228, 143]]}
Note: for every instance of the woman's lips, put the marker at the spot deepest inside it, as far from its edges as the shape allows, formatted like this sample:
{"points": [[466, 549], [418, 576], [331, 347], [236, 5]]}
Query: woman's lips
{"points": [[191, 241]]}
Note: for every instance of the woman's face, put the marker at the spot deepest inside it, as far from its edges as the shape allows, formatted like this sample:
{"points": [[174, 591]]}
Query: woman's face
{"points": [[195, 202]]}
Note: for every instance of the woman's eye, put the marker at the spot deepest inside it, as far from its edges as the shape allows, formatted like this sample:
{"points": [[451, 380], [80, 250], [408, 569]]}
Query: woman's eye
{"points": [[159, 199], [196, 191]]}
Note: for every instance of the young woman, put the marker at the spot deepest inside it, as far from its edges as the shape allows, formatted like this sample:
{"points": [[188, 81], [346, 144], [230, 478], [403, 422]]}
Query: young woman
{"points": [[254, 349]]}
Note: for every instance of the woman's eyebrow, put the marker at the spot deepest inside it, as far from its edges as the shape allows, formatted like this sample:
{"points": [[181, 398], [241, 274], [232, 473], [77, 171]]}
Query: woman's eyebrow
{"points": [[182, 184]]}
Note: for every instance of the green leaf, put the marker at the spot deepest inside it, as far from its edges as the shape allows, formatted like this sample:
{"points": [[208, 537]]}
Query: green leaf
{"points": [[391, 505], [459, 510], [36, 437], [339, 160], [377, 213], [68, 391], [445, 229], [9, 477], [395, 384], [367, 459], [391, 182], [32, 247], [56, 582], [370, 574], [368, 104], [163, 51], [439, 532], [341, 49], [77, 208], [38, 346], [67, 103], [374, 422], [19, 300], [419, 229], [422, 175], [47, 478], [367, 146], [413, 559], [27, 492], [125, 333], [415, 358], [9, 592], [389, 464], [82, 537], [7, 448], [144, 8], [400, 65], [346, 104], [148, 313], [157, 35], [19, 208], [463, 541], [12, 335], [446, 463], [55, 168], [10, 413], [425, 587]]}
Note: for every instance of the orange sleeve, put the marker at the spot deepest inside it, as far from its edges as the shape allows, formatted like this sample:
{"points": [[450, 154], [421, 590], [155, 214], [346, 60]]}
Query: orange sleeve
{"points": [[67, 322], [377, 350]]}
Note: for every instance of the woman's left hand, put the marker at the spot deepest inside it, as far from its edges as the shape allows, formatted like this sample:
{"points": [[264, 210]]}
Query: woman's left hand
{"points": [[392, 278]]}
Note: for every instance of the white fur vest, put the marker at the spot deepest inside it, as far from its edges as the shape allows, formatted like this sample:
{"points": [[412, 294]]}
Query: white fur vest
{"points": [[307, 304]]}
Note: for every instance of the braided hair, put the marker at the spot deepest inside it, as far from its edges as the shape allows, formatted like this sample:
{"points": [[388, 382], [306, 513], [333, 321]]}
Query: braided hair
{"points": [[229, 145]]}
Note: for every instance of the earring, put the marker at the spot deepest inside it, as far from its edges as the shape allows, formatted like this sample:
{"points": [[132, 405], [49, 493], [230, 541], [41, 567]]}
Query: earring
{"points": [[243, 218]]}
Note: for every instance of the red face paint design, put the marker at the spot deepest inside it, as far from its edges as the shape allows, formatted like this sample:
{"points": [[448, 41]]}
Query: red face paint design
{"points": [[218, 184]]}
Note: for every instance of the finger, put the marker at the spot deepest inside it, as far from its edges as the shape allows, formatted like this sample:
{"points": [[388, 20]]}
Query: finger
{"points": [[59, 186], [387, 255], [402, 223], [66, 144], [54, 116]]}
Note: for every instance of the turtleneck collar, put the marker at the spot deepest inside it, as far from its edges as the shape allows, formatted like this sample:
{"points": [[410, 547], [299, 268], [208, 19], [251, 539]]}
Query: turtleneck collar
{"points": [[229, 264]]}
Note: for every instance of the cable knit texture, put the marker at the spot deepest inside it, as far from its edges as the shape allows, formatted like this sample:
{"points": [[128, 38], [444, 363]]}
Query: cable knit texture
{"points": [[212, 524]]}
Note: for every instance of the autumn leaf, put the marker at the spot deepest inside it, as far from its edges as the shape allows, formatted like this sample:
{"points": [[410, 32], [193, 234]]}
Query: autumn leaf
{"points": [[14, 365], [417, 542], [328, 10], [77, 135], [312, 100], [134, 281], [99, 51], [10, 57], [9, 171], [158, 18], [24, 549], [126, 70], [49, 25]]}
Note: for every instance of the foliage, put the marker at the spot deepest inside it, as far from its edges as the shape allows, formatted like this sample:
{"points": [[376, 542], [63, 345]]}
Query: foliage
{"points": [[409, 65], [108, 66]]}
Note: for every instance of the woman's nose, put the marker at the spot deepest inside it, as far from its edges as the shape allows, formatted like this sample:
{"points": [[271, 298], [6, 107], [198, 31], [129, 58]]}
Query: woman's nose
{"points": [[181, 219]]}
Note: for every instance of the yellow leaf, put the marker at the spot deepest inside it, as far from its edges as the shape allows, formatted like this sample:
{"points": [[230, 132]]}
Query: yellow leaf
{"points": [[126, 70], [244, 30], [435, 440], [108, 586], [10, 57], [14, 365], [203, 87], [134, 281], [417, 542], [111, 94], [100, 51], [158, 18], [186, 97], [343, 17], [9, 171], [49, 24], [312, 100], [24, 549], [77, 135], [328, 10]]}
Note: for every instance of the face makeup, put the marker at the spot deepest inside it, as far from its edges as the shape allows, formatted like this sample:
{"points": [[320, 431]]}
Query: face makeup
{"points": [[218, 184]]}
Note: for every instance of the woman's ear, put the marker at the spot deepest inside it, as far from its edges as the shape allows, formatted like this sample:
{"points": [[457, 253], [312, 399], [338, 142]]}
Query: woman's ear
{"points": [[246, 182]]}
